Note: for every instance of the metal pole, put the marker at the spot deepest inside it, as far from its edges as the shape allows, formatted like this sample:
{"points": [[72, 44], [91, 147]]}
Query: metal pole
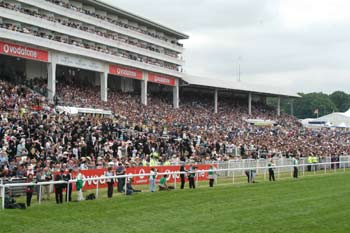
{"points": [[197, 180], [174, 180], [303, 169], [3, 196], [233, 177], [97, 189], [40, 194], [314, 168], [67, 192], [125, 186]]}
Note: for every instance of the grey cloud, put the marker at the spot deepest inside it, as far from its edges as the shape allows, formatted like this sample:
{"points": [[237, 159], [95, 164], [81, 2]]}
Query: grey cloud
{"points": [[312, 57]]}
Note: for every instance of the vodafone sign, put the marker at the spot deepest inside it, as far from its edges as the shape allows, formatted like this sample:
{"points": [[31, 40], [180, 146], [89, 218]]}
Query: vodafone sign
{"points": [[23, 52], [125, 72], [161, 79]]}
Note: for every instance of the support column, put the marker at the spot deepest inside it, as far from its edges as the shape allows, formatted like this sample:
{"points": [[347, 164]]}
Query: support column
{"points": [[104, 86], [51, 80], [216, 101], [176, 94], [278, 106], [250, 103], [292, 107], [144, 88]]}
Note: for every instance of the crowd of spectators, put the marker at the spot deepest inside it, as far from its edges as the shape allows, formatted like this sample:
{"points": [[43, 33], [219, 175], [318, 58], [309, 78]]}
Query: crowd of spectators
{"points": [[84, 44], [33, 135]]}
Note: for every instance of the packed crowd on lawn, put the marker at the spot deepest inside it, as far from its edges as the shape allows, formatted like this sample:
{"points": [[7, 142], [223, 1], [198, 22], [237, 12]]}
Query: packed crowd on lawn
{"points": [[33, 135]]}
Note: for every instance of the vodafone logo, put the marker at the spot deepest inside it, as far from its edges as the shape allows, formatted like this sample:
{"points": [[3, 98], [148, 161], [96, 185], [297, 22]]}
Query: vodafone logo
{"points": [[128, 73], [23, 51], [142, 173], [19, 51], [161, 80], [125, 72]]}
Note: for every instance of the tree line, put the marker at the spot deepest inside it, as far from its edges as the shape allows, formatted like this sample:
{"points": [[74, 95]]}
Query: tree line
{"points": [[314, 104]]}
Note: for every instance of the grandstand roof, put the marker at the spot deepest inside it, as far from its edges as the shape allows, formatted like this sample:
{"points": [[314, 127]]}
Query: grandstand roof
{"points": [[139, 19], [238, 86]]}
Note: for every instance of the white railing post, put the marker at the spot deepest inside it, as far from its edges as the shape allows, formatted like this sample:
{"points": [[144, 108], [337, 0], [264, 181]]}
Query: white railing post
{"points": [[174, 175], [233, 177], [304, 169], [125, 186], [3, 196], [97, 188], [314, 167], [67, 192], [40, 193]]}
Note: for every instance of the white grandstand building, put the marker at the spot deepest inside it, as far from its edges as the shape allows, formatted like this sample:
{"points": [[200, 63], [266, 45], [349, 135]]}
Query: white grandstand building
{"points": [[108, 46]]}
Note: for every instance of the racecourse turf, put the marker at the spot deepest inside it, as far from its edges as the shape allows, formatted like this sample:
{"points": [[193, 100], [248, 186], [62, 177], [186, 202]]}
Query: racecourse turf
{"points": [[309, 204]]}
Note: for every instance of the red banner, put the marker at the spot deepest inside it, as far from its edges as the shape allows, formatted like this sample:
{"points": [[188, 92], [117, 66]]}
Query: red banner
{"points": [[142, 179], [23, 52], [161, 79], [125, 72]]}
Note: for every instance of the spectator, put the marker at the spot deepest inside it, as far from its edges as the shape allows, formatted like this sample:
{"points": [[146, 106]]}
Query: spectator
{"points": [[59, 187], [29, 190], [79, 185], [163, 185], [152, 179]]}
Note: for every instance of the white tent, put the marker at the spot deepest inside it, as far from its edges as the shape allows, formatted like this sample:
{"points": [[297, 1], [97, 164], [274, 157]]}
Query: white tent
{"points": [[338, 119], [335, 119]]}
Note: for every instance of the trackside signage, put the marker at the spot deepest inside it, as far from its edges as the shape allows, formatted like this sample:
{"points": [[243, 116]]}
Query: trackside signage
{"points": [[142, 179], [161, 79], [23, 52], [125, 72]]}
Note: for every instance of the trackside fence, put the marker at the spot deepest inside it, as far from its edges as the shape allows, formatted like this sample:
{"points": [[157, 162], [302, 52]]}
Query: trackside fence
{"points": [[231, 175]]}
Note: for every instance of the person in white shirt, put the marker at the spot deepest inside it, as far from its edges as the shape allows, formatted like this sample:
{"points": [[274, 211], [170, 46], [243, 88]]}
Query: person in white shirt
{"points": [[152, 180], [110, 181]]}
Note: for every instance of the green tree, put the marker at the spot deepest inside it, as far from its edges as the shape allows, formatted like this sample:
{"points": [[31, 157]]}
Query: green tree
{"points": [[306, 106], [341, 100]]}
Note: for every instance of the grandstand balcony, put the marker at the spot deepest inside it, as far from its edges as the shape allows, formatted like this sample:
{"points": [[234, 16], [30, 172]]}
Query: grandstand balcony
{"points": [[76, 15], [53, 45], [85, 35]]}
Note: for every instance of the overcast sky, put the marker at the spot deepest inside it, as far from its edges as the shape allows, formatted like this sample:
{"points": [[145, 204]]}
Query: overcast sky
{"points": [[300, 45]]}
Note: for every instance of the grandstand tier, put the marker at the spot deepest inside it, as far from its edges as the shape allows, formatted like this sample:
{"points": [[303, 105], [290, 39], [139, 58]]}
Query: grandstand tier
{"points": [[111, 47]]}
